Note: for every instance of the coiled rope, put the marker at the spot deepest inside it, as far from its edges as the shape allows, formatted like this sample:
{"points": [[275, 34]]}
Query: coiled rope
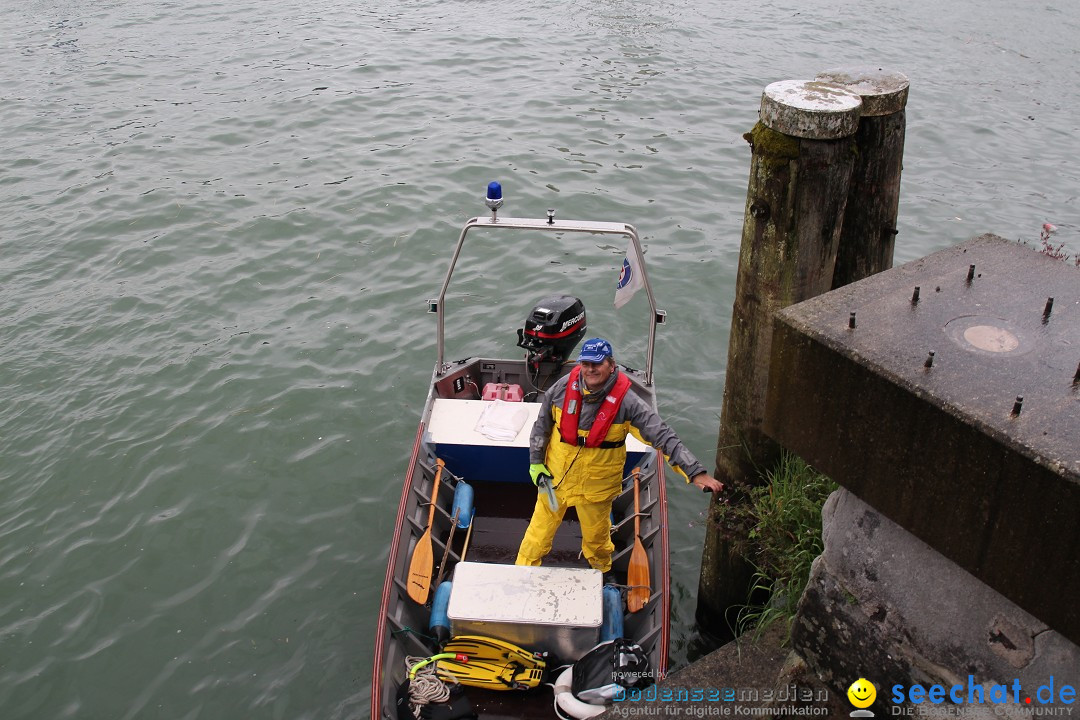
{"points": [[425, 687]]}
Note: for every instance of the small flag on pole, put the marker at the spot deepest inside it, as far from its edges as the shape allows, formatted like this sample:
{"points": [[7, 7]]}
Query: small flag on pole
{"points": [[630, 280]]}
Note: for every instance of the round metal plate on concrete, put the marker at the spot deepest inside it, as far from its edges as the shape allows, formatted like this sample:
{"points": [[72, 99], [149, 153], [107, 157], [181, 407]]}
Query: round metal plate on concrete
{"points": [[990, 336], [883, 92], [811, 109]]}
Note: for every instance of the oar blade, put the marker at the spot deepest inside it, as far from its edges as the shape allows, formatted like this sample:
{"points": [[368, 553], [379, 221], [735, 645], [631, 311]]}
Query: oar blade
{"points": [[418, 581], [419, 578], [637, 577]]}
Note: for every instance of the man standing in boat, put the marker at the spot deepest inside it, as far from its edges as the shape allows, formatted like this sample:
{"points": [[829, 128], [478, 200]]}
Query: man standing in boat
{"points": [[579, 440]]}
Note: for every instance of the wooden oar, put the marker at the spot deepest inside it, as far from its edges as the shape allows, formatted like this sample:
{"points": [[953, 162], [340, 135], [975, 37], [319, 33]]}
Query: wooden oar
{"points": [[637, 576], [419, 579], [446, 550]]}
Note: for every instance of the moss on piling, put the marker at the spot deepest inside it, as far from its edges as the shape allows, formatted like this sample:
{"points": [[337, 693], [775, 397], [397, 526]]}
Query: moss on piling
{"points": [[773, 148]]}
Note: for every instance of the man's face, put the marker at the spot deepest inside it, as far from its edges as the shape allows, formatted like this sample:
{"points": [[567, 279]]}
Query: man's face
{"points": [[596, 374]]}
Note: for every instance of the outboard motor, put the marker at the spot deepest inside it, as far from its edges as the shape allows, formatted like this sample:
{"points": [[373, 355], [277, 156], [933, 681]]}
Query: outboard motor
{"points": [[552, 330]]}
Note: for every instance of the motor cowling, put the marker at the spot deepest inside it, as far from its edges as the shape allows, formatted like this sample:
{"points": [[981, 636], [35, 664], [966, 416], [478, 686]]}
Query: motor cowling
{"points": [[553, 329]]}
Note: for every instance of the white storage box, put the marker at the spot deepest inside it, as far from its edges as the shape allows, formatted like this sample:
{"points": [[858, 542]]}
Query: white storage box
{"points": [[468, 453], [546, 609]]}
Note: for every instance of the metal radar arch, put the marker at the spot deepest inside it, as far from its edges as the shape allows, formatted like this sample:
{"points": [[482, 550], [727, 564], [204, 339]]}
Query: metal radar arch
{"points": [[494, 201]]}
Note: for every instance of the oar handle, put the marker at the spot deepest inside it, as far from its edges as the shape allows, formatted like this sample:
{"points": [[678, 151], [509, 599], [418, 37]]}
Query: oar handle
{"points": [[435, 491], [637, 503]]}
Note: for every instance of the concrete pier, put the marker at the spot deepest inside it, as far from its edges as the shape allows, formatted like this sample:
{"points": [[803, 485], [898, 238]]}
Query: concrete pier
{"points": [[942, 445], [950, 411], [941, 396], [883, 605]]}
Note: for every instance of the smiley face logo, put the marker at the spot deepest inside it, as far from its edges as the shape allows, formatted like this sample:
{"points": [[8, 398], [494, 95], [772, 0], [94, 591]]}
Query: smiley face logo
{"points": [[862, 693]]}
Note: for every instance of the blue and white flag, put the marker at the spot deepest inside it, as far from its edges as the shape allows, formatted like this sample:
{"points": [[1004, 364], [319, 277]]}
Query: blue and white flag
{"points": [[630, 279]]}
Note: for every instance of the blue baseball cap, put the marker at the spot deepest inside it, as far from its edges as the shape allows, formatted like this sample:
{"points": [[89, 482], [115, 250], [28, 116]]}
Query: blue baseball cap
{"points": [[595, 350]]}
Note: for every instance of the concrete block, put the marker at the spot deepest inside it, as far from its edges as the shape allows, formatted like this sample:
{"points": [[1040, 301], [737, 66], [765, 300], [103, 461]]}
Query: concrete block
{"points": [[936, 446], [883, 605]]}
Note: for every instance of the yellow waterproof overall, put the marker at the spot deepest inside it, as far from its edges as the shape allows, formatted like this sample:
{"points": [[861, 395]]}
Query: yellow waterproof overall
{"points": [[587, 479]]}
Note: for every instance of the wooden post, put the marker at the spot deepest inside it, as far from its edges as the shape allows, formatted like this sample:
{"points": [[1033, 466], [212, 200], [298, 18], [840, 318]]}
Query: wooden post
{"points": [[800, 169], [869, 233]]}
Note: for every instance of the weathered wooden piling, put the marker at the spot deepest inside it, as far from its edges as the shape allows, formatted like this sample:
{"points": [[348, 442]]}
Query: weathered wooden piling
{"points": [[800, 171], [870, 218]]}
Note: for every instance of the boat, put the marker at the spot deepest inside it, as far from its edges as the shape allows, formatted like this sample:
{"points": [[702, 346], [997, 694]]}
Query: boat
{"points": [[467, 498]]}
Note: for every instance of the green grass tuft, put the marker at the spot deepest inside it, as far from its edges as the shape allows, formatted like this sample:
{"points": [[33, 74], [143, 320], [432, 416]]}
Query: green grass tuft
{"points": [[781, 535]]}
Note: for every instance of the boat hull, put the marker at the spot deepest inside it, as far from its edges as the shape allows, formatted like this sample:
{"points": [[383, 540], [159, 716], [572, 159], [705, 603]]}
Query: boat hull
{"points": [[503, 500]]}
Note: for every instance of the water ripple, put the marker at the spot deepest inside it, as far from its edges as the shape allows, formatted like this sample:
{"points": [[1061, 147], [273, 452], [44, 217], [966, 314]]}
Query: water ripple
{"points": [[221, 227]]}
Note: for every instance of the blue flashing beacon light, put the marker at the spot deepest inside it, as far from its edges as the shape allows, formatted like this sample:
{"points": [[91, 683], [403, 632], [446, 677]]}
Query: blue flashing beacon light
{"points": [[494, 198]]}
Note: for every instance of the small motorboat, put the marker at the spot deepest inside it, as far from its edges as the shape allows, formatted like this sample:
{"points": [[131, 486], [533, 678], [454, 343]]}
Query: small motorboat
{"points": [[451, 588]]}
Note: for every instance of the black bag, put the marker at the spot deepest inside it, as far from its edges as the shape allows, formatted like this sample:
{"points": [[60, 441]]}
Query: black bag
{"points": [[608, 670]]}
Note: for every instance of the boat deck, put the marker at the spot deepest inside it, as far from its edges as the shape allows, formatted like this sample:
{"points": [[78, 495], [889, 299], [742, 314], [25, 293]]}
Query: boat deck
{"points": [[502, 514]]}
